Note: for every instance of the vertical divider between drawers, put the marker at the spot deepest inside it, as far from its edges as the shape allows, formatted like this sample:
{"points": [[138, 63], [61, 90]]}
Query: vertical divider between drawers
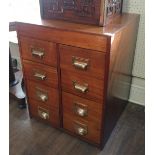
{"points": [[59, 86]]}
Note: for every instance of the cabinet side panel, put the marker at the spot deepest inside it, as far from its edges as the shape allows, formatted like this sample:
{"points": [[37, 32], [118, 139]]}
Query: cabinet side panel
{"points": [[122, 52]]}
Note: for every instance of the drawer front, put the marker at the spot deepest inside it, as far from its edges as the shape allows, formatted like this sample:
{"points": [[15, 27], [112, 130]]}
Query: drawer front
{"points": [[64, 34], [44, 95], [83, 86], [38, 51], [41, 73], [82, 61], [82, 108], [41, 112], [84, 129]]}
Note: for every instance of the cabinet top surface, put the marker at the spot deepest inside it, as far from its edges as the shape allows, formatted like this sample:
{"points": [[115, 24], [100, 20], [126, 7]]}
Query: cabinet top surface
{"points": [[32, 16], [112, 28]]}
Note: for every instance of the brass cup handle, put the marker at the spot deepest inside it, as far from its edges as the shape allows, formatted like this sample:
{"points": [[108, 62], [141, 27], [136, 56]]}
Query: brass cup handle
{"points": [[39, 76], [81, 131], [80, 88], [43, 97], [43, 115], [81, 112], [80, 65], [39, 54]]}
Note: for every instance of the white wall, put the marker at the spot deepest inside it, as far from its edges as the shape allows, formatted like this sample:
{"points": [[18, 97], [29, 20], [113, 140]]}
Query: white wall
{"points": [[14, 48], [137, 94]]}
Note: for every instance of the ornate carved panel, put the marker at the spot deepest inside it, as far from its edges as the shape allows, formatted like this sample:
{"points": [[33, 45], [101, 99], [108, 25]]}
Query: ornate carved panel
{"points": [[85, 8], [55, 6], [113, 7], [80, 7], [69, 4]]}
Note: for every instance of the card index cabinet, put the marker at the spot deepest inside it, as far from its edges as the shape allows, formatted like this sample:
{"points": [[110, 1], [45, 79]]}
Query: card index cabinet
{"points": [[78, 77]]}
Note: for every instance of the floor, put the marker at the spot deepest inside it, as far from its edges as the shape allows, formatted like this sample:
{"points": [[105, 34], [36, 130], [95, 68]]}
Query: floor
{"points": [[30, 137]]}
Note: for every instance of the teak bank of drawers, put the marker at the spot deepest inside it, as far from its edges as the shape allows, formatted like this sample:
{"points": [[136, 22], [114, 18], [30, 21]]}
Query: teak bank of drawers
{"points": [[82, 73], [74, 74]]}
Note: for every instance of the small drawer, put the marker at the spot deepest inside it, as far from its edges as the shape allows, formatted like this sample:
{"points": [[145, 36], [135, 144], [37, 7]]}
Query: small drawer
{"points": [[80, 128], [40, 73], [84, 86], [44, 95], [82, 61], [41, 112], [83, 129], [82, 108], [38, 51]]}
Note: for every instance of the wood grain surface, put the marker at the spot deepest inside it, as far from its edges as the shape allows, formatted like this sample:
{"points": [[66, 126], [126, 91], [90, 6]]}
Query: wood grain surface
{"points": [[35, 89], [30, 68], [95, 86], [53, 119], [94, 59], [48, 48]]}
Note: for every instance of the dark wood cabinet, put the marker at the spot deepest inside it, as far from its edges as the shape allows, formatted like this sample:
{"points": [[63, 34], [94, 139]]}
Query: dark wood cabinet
{"points": [[78, 77], [97, 12]]}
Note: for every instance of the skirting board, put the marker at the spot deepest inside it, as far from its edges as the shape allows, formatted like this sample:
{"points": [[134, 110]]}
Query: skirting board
{"points": [[137, 95], [137, 92]]}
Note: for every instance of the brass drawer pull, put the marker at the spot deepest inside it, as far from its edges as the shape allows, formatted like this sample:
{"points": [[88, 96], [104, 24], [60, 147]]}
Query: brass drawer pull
{"points": [[80, 109], [38, 53], [81, 131], [43, 113], [81, 112], [41, 95], [39, 76], [80, 88], [80, 128], [80, 63]]}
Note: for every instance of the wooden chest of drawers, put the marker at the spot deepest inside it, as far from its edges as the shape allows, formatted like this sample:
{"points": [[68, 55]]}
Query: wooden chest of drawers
{"points": [[77, 76]]}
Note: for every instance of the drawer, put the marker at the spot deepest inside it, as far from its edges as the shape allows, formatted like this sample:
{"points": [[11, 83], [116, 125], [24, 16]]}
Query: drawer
{"points": [[44, 114], [38, 51], [40, 73], [44, 95], [82, 61], [82, 108], [83, 86], [83, 129]]}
